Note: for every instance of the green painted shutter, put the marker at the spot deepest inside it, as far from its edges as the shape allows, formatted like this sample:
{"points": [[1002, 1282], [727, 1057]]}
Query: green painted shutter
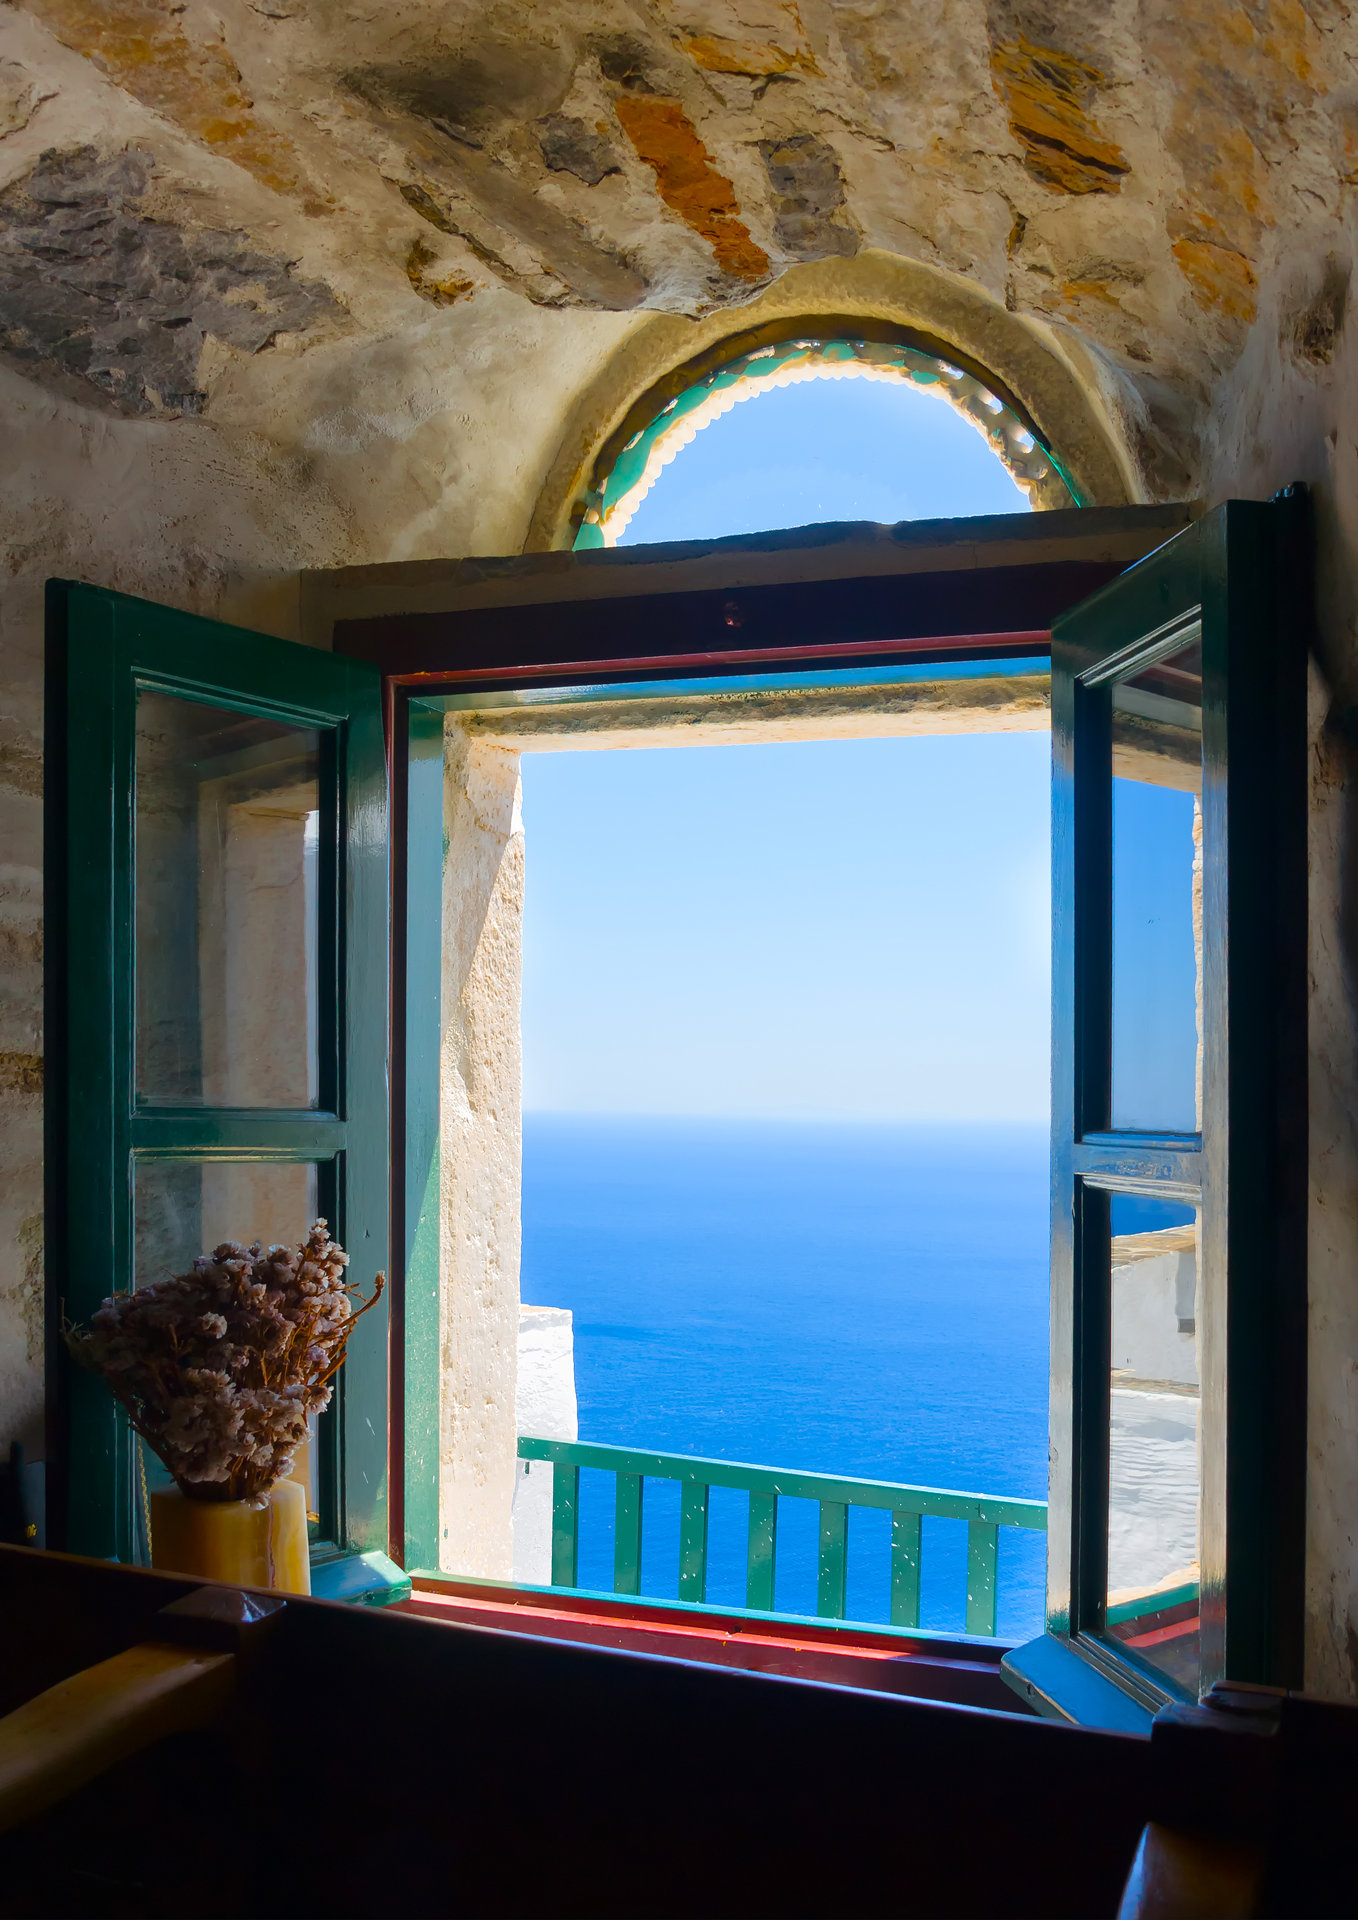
{"points": [[1231, 593], [188, 1071]]}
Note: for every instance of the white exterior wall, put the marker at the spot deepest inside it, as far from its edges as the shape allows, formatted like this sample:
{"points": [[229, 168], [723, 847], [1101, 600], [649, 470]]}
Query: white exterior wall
{"points": [[1152, 1491], [481, 1078], [546, 1408], [1150, 1300], [1154, 1470]]}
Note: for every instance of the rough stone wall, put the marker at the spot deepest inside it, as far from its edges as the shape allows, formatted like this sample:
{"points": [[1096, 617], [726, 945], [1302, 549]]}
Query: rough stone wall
{"points": [[1133, 173], [290, 283]]}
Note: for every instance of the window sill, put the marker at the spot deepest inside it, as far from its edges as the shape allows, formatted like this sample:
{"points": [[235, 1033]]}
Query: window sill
{"points": [[360, 1579], [1053, 1680], [953, 1669]]}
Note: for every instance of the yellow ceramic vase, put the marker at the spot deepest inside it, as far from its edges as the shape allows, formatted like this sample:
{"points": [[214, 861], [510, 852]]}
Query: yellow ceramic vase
{"points": [[253, 1543]]}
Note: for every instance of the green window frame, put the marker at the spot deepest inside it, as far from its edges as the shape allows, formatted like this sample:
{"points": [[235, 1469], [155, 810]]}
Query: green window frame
{"points": [[103, 650], [1238, 578]]}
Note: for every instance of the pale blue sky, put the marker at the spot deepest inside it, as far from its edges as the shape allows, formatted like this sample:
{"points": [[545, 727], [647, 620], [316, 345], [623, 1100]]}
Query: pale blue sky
{"points": [[840, 929], [826, 450]]}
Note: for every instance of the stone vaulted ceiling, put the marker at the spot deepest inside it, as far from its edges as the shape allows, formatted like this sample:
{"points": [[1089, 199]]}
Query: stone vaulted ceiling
{"points": [[184, 183]]}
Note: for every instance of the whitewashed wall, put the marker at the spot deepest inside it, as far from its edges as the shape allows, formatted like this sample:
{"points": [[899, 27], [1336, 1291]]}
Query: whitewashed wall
{"points": [[545, 1407]]}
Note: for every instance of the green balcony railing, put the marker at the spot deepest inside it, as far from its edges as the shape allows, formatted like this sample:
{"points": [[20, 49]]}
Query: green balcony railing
{"points": [[908, 1507]]}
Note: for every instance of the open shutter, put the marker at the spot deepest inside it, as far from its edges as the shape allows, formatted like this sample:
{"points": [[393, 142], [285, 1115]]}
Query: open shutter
{"points": [[1179, 1124], [216, 1015]]}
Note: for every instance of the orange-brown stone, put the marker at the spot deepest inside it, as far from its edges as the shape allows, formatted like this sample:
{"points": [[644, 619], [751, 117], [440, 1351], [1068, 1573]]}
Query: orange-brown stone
{"points": [[666, 139], [441, 290], [1220, 278], [1049, 96], [755, 59], [142, 45], [1075, 292], [21, 1072], [1254, 72]]}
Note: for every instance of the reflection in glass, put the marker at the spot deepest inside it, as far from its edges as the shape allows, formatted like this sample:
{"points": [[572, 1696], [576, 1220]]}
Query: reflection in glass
{"points": [[306, 1470], [1154, 1473], [228, 809], [1157, 896], [182, 1208]]}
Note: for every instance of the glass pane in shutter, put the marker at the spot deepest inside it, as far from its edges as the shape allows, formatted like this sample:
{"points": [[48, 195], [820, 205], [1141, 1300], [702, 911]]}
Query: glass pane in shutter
{"points": [[1154, 1470], [182, 1208], [228, 810], [1157, 896]]}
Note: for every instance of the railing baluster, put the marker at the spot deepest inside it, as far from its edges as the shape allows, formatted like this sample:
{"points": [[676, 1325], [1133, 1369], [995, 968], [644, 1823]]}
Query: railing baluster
{"points": [[565, 1531], [627, 1533], [834, 1559], [906, 1544], [763, 1550], [693, 1541], [983, 1544], [631, 1467]]}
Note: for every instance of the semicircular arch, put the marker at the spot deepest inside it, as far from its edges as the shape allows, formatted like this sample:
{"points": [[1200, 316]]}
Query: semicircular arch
{"points": [[878, 315]]}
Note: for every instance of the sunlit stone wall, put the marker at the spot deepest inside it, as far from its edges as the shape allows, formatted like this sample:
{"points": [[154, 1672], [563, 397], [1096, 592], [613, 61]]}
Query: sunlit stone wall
{"points": [[480, 1103]]}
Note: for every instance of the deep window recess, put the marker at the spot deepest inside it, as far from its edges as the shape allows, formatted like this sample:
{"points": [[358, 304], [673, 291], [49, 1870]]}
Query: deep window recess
{"points": [[283, 745], [788, 620], [217, 964], [445, 845], [830, 603]]}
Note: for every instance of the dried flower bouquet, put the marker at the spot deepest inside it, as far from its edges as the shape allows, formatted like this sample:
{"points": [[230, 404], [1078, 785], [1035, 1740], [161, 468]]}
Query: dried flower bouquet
{"points": [[218, 1369]]}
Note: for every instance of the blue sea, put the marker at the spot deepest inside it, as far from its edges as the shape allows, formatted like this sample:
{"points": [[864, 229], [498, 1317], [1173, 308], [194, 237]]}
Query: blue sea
{"points": [[851, 1299]]}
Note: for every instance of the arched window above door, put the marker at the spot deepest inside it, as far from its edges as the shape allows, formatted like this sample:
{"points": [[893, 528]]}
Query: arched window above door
{"points": [[748, 366]]}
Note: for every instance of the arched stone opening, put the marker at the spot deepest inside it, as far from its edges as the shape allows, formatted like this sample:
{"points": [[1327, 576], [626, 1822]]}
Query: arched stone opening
{"points": [[1045, 385], [780, 355]]}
